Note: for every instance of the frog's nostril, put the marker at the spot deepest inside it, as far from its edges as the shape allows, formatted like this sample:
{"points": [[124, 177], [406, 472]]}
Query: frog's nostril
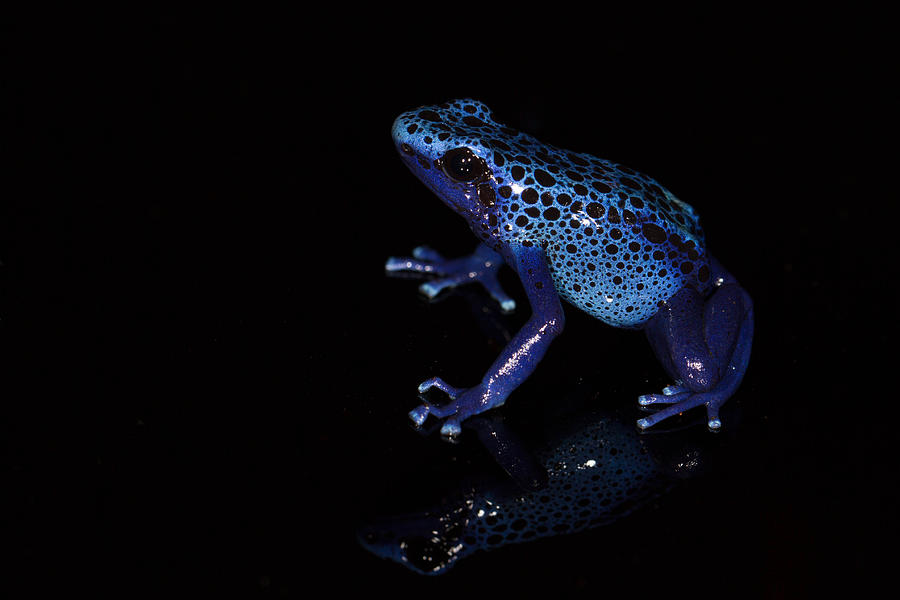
{"points": [[406, 148]]}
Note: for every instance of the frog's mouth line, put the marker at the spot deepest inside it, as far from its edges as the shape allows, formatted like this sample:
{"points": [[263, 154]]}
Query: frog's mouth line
{"points": [[413, 163]]}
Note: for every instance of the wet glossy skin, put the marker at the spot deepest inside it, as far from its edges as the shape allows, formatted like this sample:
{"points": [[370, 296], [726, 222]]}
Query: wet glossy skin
{"points": [[609, 240]]}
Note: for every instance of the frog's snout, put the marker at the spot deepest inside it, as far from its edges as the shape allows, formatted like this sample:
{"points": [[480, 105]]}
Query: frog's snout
{"points": [[399, 132]]}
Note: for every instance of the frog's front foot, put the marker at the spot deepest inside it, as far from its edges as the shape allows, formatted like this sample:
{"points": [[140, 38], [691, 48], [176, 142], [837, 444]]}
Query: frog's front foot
{"points": [[464, 402], [481, 266]]}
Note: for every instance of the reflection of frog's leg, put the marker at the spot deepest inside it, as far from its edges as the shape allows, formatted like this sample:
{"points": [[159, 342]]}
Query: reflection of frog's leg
{"points": [[509, 451], [517, 360], [481, 266], [703, 344]]}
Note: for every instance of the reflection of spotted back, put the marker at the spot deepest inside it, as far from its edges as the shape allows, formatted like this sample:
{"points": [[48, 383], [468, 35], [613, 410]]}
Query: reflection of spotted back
{"points": [[619, 243], [597, 474]]}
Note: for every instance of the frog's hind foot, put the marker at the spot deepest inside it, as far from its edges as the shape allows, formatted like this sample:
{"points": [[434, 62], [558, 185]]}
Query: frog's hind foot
{"points": [[679, 402], [481, 266]]}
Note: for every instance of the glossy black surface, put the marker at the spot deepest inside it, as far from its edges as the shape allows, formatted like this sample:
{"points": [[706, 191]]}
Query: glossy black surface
{"points": [[208, 372]]}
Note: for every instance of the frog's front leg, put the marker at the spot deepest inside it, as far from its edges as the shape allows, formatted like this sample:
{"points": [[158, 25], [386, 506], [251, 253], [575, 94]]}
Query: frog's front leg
{"points": [[481, 266], [517, 360], [704, 345]]}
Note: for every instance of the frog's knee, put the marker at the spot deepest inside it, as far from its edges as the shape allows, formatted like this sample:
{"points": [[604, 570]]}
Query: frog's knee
{"points": [[700, 375]]}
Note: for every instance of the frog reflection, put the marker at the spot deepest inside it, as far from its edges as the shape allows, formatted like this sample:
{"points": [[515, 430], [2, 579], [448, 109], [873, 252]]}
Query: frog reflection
{"points": [[587, 475]]}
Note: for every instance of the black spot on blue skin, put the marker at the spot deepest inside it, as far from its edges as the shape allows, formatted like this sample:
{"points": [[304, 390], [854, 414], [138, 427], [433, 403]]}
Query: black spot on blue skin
{"points": [[613, 215], [630, 183], [430, 115], [486, 195], [595, 210], [577, 160], [654, 233], [601, 187], [501, 144], [703, 273], [544, 178]]}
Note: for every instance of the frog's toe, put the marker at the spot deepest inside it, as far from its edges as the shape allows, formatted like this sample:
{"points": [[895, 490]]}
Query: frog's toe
{"points": [[712, 417], [405, 264], [492, 285], [451, 427], [664, 398], [675, 388], [437, 382], [427, 253], [436, 286], [419, 414]]}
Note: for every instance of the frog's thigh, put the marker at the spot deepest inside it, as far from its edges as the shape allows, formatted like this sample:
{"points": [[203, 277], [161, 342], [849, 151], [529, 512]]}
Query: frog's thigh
{"points": [[694, 339], [722, 318]]}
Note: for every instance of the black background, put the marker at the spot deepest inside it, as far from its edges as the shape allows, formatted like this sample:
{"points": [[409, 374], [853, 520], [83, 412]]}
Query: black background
{"points": [[209, 371]]}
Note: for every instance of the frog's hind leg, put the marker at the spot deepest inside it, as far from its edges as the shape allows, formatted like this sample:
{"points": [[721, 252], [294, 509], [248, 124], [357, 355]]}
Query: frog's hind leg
{"points": [[704, 345]]}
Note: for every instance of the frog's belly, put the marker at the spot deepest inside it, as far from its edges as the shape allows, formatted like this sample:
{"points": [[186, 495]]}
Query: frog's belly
{"points": [[619, 285]]}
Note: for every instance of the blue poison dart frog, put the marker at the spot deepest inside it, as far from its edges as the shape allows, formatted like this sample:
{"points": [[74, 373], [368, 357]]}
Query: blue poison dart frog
{"points": [[607, 239]]}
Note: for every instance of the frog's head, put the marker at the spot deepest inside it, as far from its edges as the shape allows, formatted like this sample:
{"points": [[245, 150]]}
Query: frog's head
{"points": [[420, 542], [446, 146]]}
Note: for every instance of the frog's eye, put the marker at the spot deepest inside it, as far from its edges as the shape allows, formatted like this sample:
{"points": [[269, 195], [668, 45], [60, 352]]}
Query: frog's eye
{"points": [[461, 164]]}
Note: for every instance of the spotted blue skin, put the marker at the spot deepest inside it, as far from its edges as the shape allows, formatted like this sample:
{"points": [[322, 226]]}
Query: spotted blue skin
{"points": [[610, 241]]}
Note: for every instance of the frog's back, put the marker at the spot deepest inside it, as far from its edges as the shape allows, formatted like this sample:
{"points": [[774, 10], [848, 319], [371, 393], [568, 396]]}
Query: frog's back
{"points": [[618, 242]]}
